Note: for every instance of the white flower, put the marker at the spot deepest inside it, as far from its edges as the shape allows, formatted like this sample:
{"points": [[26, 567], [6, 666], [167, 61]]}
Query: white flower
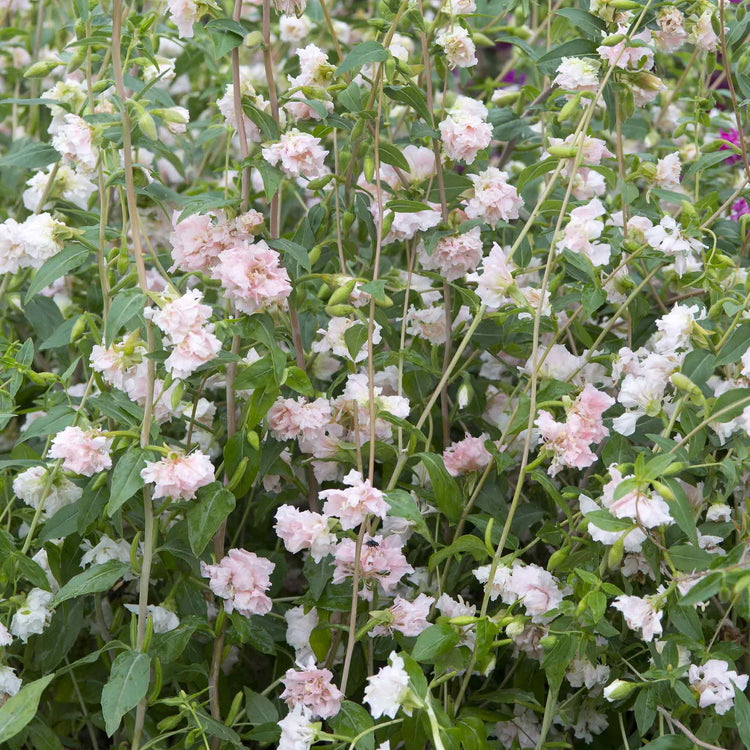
{"points": [[582, 672], [675, 328], [297, 731], [618, 689], [387, 690], [106, 549], [33, 616], [640, 614], [500, 585], [299, 627], [459, 48], [577, 74], [668, 170], [164, 619], [667, 237], [10, 684], [715, 682], [30, 486], [718, 512]]}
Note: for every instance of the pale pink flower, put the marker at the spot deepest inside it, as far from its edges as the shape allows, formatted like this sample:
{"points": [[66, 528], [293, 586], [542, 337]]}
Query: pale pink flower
{"points": [[454, 256], [466, 455], [178, 476], [83, 451], [703, 35], [495, 280], [354, 504], [184, 13], [668, 171], [593, 150], [647, 509], [562, 439], [536, 588], [465, 134], [429, 323], [632, 540], [715, 683], [181, 316], [252, 275], [196, 242], [110, 362], [640, 614], [297, 418], [300, 154], [226, 107], [627, 57], [74, 140], [460, 51], [577, 74], [589, 408], [312, 688], [406, 225], [303, 529], [671, 35], [409, 618], [242, 579], [582, 229], [197, 348], [381, 561], [494, 199]]}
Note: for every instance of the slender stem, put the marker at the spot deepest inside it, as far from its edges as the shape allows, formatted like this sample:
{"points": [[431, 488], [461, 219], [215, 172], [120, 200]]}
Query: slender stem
{"points": [[148, 511]]}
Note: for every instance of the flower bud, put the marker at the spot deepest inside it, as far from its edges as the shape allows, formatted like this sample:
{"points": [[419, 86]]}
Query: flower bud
{"points": [[146, 123], [515, 628], [683, 383], [614, 556], [369, 168], [254, 39], [569, 108], [41, 69], [253, 439], [314, 254], [548, 641], [562, 152], [663, 490], [78, 329], [341, 295], [320, 182], [618, 689], [612, 40], [339, 311], [558, 557]]}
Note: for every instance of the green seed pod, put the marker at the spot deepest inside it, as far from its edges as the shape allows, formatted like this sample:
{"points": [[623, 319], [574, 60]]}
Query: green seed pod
{"points": [[616, 551], [663, 490], [253, 440], [41, 69], [346, 221], [146, 123], [79, 56], [369, 168], [558, 557], [314, 254], [80, 28], [321, 182], [78, 329], [341, 295], [388, 223], [339, 311], [563, 152], [569, 108], [123, 263]]}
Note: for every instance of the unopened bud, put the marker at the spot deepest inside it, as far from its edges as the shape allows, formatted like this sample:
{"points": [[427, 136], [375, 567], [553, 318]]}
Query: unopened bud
{"points": [[253, 39], [339, 311], [41, 69], [618, 689], [683, 383], [563, 152], [321, 182], [613, 39]]}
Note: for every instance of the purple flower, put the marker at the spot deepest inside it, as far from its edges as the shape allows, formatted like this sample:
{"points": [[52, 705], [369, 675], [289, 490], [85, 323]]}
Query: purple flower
{"points": [[739, 209]]}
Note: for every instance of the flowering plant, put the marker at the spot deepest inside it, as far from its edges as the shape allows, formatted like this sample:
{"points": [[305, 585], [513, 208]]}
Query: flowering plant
{"points": [[374, 375]]}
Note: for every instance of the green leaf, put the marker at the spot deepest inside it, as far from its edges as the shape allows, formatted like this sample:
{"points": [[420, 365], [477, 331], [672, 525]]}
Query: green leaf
{"points": [[351, 98], [704, 589], [58, 265], [125, 306], [355, 337], [411, 96], [548, 62], [292, 250], [700, 364], [58, 418], [30, 155], [403, 505], [271, 176], [61, 335], [607, 522], [589, 24], [733, 401], [645, 710], [225, 34], [742, 715], [19, 710], [736, 345], [669, 742], [447, 492], [97, 578], [393, 156], [298, 381], [213, 505], [453, 184], [362, 54], [705, 162], [126, 478], [687, 558], [127, 684], [352, 720], [535, 171], [466, 543], [681, 510], [267, 126], [407, 207], [259, 709], [249, 630], [30, 570], [434, 642]]}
